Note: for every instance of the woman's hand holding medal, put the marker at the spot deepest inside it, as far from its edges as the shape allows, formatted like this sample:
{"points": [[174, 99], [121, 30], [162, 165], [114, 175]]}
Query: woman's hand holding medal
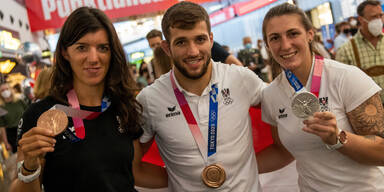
{"points": [[39, 140], [323, 124]]}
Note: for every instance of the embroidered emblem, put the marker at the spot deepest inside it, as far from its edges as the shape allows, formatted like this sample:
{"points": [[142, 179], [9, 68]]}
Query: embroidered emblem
{"points": [[172, 112], [170, 109], [282, 114], [227, 96], [70, 130], [70, 134], [323, 104]]}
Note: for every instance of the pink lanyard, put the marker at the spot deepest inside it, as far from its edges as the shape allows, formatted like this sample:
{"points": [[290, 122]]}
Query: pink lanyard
{"points": [[78, 115], [316, 77], [191, 121]]}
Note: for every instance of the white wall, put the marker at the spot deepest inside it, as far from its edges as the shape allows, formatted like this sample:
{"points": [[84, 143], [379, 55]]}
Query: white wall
{"points": [[19, 12]]}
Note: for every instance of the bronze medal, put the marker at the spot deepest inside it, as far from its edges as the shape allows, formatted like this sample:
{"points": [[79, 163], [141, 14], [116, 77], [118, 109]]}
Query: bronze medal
{"points": [[213, 175], [53, 119]]}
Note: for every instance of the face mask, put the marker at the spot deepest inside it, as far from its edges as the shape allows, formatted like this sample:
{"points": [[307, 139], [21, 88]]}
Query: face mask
{"points": [[248, 45], [353, 23], [354, 31], [346, 31], [6, 94], [375, 27]]}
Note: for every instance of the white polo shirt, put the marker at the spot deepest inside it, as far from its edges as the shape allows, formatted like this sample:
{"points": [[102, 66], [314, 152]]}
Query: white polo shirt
{"points": [[239, 88], [343, 88]]}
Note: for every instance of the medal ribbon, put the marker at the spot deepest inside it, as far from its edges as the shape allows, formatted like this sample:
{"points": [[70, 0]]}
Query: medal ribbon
{"points": [[204, 148], [316, 77], [212, 123], [78, 115]]}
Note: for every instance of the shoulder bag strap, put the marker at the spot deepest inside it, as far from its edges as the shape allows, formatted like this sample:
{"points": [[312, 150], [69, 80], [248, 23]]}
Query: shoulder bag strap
{"points": [[356, 53]]}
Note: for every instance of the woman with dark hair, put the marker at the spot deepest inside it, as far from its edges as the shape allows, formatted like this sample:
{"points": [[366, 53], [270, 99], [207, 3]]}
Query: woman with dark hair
{"points": [[325, 114], [143, 79], [98, 150]]}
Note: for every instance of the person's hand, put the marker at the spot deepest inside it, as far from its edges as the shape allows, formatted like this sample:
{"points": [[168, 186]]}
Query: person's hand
{"points": [[323, 124], [35, 144], [8, 146]]}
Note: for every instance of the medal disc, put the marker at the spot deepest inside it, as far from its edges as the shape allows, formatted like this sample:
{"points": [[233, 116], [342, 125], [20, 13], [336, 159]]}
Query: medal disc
{"points": [[53, 119], [213, 175], [305, 104]]}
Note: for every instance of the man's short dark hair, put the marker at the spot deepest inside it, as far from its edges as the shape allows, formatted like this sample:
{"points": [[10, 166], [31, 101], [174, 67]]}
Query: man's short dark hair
{"points": [[184, 15], [361, 7], [154, 33]]}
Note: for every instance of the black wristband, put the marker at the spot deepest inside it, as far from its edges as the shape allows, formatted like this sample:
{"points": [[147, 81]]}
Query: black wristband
{"points": [[28, 170]]}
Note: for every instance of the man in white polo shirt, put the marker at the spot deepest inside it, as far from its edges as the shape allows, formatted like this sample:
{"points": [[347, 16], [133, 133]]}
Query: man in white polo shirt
{"points": [[198, 112]]}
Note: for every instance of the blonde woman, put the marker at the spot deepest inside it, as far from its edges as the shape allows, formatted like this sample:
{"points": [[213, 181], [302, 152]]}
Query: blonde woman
{"points": [[43, 82]]}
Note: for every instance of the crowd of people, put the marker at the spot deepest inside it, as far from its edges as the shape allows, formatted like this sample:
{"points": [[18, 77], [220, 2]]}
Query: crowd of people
{"points": [[325, 108]]}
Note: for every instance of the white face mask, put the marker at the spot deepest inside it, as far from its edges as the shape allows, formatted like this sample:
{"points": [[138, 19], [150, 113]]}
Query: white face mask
{"points": [[6, 93], [375, 27]]}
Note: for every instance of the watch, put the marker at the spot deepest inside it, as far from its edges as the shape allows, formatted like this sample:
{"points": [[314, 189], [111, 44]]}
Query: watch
{"points": [[341, 140], [27, 178]]}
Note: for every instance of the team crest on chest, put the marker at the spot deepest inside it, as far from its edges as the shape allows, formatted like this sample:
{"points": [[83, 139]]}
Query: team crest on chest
{"points": [[323, 104], [227, 96]]}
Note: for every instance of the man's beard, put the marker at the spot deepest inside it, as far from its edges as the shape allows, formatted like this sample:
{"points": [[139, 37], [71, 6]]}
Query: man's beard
{"points": [[185, 73]]}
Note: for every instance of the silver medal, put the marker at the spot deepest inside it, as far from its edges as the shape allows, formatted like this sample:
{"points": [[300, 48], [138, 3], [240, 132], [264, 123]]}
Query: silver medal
{"points": [[305, 104]]}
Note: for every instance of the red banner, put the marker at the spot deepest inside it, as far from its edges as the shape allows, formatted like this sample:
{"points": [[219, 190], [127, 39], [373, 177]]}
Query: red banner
{"points": [[222, 15], [237, 9], [47, 14], [249, 6]]}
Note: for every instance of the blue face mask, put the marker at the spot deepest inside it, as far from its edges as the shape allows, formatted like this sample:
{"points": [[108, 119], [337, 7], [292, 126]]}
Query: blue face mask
{"points": [[248, 45]]}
